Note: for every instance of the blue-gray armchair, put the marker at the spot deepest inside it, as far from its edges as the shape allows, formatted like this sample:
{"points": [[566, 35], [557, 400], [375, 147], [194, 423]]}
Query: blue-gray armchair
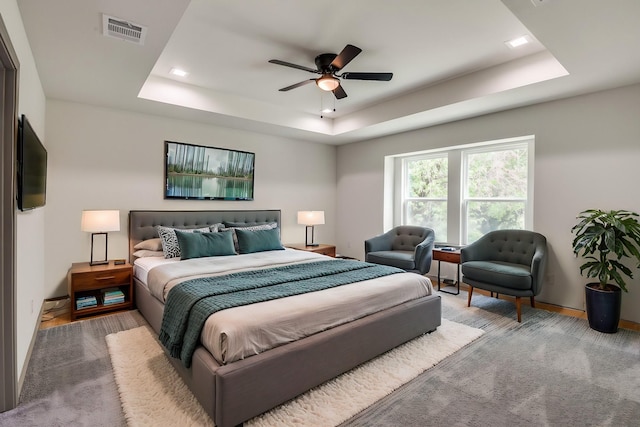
{"points": [[407, 247], [510, 262]]}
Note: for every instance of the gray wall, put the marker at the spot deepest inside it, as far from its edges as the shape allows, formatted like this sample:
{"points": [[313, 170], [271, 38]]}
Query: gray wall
{"points": [[29, 225], [587, 153], [103, 158]]}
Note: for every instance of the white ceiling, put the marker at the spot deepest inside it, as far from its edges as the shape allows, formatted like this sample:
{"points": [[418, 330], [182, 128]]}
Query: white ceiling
{"points": [[448, 57]]}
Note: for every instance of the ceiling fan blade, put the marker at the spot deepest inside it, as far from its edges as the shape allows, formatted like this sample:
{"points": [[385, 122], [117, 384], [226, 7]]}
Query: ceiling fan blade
{"points": [[289, 64], [302, 83], [384, 77], [348, 53], [339, 92]]}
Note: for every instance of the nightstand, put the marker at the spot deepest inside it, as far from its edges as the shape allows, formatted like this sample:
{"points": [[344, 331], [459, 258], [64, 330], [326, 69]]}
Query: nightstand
{"points": [[85, 280], [452, 256], [329, 250]]}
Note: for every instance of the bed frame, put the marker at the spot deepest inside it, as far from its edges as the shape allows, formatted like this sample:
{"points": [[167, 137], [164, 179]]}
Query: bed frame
{"points": [[238, 391]]}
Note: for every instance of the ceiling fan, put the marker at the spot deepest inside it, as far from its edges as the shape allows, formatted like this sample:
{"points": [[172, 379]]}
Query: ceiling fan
{"points": [[328, 65]]}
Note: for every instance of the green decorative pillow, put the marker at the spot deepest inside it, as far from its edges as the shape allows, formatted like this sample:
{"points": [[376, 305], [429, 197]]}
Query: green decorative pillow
{"points": [[170, 245], [250, 241], [198, 245]]}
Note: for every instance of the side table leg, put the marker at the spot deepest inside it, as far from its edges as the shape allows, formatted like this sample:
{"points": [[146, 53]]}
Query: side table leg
{"points": [[458, 284]]}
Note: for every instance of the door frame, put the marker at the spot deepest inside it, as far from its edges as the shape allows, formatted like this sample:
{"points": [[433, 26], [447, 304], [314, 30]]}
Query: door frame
{"points": [[9, 67]]}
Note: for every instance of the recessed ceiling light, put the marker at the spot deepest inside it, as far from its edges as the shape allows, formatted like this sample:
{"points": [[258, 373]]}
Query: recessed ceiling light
{"points": [[178, 72], [517, 42]]}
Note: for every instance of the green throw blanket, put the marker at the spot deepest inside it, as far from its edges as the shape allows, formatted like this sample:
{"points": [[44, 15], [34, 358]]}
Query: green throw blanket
{"points": [[190, 303]]}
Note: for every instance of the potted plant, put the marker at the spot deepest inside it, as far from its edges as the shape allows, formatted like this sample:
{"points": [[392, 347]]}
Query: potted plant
{"points": [[604, 239]]}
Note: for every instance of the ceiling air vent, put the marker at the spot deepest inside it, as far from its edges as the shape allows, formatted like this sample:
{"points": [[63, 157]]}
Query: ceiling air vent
{"points": [[123, 30]]}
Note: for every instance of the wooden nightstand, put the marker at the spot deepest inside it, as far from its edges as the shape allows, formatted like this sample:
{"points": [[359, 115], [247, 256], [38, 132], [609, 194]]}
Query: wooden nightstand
{"points": [[329, 250], [86, 280]]}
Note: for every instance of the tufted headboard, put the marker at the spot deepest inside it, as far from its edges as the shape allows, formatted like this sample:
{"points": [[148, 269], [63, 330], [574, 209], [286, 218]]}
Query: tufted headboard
{"points": [[142, 223]]}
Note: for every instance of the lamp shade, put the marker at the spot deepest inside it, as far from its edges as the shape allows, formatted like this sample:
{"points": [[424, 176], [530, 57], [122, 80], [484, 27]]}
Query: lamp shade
{"points": [[100, 221], [311, 217]]}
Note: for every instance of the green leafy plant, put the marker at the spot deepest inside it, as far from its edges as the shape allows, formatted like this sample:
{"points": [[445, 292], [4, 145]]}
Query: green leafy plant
{"points": [[603, 239]]}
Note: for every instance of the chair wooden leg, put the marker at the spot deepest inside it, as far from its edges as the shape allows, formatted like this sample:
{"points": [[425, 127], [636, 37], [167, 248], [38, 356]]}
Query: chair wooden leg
{"points": [[518, 309], [533, 301], [469, 296]]}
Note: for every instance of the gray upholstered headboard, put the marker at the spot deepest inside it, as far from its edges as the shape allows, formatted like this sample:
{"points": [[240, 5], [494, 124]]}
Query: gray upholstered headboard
{"points": [[142, 223]]}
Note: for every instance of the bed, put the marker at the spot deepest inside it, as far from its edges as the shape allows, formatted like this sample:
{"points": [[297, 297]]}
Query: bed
{"points": [[233, 386]]}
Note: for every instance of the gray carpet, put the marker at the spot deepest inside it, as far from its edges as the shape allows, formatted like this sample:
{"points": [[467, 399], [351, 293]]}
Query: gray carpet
{"points": [[69, 381], [550, 370]]}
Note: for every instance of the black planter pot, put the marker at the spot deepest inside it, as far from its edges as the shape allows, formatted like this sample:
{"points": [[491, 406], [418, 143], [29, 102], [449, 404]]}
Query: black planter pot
{"points": [[603, 307]]}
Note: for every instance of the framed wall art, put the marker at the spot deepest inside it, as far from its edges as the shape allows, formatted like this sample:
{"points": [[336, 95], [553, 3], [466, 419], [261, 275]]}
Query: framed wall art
{"points": [[207, 173]]}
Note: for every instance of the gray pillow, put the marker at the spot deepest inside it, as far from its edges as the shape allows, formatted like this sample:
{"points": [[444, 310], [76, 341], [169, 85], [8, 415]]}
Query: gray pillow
{"points": [[250, 241], [267, 226], [198, 245]]}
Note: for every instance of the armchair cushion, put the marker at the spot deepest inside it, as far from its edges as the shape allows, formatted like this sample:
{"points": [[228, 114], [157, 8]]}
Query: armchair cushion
{"points": [[400, 259], [514, 276]]}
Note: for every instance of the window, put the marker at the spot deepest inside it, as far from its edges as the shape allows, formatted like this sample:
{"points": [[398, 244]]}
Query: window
{"points": [[426, 192], [495, 190], [466, 191]]}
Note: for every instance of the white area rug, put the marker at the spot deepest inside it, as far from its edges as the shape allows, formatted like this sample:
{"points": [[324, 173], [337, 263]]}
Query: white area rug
{"points": [[153, 394]]}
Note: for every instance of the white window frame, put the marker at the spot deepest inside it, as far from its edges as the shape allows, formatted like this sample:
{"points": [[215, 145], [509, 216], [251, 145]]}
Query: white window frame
{"points": [[465, 199], [456, 209], [405, 178]]}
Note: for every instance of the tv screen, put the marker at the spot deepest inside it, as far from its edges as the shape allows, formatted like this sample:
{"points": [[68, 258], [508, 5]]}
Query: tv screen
{"points": [[207, 173], [32, 168]]}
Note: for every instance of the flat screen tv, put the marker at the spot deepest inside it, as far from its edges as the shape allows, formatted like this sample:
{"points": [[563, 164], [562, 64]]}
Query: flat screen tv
{"points": [[32, 168], [207, 173]]}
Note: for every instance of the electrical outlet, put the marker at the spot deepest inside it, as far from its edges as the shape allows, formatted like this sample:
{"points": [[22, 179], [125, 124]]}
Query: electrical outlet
{"points": [[31, 306]]}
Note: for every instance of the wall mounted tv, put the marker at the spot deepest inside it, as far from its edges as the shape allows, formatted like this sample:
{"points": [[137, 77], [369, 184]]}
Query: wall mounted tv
{"points": [[207, 173], [32, 168]]}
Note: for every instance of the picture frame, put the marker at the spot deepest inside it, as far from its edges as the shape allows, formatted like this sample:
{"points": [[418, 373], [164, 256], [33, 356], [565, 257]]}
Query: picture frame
{"points": [[197, 172]]}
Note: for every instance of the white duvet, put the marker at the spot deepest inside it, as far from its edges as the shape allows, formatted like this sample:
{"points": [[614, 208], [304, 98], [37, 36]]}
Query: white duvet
{"points": [[240, 332]]}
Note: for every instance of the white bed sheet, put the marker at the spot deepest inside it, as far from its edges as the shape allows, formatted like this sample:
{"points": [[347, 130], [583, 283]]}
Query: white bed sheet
{"points": [[240, 332], [142, 266]]}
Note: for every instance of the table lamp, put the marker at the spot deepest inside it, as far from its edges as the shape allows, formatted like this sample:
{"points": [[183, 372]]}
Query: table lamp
{"points": [[310, 219], [97, 223]]}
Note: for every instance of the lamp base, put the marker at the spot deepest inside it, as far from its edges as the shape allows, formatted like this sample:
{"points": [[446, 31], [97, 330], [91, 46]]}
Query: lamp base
{"points": [[99, 261], [306, 237]]}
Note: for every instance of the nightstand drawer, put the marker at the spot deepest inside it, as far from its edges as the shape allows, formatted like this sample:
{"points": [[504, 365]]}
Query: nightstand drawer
{"points": [[330, 251], [447, 256], [100, 279]]}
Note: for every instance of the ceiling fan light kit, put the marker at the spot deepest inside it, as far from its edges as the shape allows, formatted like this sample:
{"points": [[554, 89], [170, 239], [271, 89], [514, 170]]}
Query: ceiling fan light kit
{"points": [[328, 65], [328, 82]]}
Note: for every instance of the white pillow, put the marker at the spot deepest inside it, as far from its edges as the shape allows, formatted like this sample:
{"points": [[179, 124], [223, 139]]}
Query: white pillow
{"points": [[150, 245], [145, 253]]}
